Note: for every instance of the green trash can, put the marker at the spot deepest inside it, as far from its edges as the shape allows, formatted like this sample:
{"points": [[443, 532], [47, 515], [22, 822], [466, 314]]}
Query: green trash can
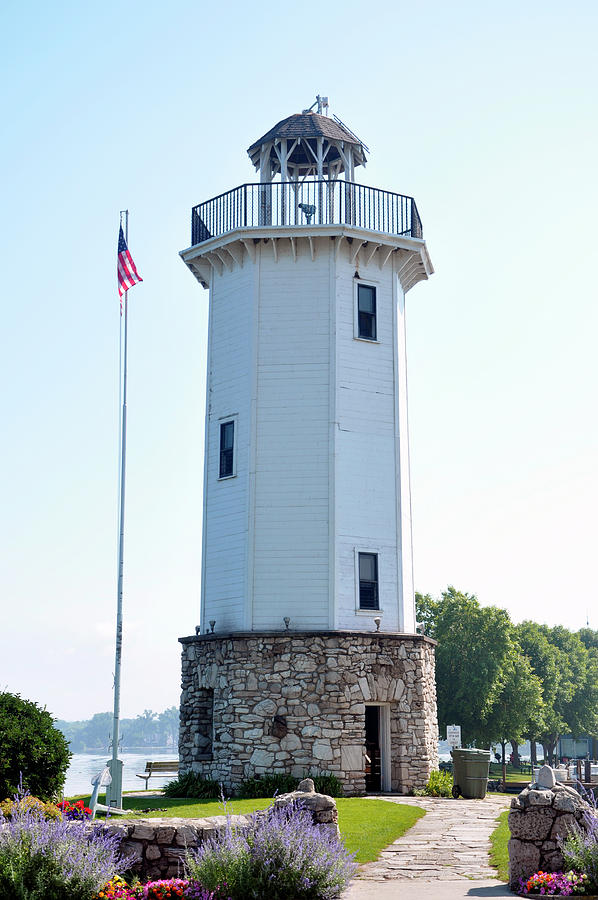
{"points": [[470, 773]]}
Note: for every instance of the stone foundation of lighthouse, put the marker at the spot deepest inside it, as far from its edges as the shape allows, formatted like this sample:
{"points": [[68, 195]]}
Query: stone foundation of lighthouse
{"points": [[299, 702]]}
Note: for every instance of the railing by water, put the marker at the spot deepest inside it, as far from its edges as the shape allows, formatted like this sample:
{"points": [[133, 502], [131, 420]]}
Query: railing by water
{"points": [[288, 203]]}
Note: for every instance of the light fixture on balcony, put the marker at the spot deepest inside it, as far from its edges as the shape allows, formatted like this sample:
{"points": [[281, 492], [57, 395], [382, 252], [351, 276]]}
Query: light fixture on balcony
{"points": [[308, 211], [212, 624], [377, 621], [287, 622]]}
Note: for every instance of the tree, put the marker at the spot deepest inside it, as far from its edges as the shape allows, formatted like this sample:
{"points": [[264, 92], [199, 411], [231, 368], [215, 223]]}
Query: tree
{"points": [[568, 672], [31, 748], [473, 645], [169, 722], [518, 704]]}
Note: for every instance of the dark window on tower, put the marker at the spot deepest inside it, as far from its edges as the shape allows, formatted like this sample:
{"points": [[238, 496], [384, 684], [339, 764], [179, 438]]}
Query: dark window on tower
{"points": [[368, 581], [227, 445], [366, 311]]}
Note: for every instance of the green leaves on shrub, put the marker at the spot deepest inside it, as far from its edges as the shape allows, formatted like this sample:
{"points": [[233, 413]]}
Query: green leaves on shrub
{"points": [[31, 747], [193, 785], [269, 785], [439, 785]]}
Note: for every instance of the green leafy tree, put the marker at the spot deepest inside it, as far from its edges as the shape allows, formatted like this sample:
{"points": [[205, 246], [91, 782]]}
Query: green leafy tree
{"points": [[168, 722], [589, 638], [518, 703], [569, 675], [473, 645], [31, 748]]}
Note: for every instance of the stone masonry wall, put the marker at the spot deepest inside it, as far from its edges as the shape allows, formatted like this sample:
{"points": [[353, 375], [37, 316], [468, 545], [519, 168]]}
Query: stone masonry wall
{"points": [[538, 818], [157, 847], [294, 702]]}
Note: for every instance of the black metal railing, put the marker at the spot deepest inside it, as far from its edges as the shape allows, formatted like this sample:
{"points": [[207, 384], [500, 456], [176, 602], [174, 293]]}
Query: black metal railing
{"points": [[308, 203]]}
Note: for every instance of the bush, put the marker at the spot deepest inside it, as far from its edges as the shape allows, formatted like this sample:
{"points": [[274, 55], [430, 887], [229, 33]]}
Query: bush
{"points": [[193, 785], [267, 786], [281, 854], [43, 859], [439, 784], [23, 804], [328, 784], [272, 785], [31, 747], [580, 848]]}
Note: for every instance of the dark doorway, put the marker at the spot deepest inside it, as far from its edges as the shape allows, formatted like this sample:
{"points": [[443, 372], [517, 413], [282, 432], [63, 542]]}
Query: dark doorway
{"points": [[372, 749]]}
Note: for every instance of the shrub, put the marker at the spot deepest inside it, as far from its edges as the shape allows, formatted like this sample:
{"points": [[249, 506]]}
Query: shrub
{"points": [[328, 784], [267, 786], [274, 784], [281, 854], [31, 748], [43, 859], [27, 802], [193, 785], [439, 785], [580, 848]]}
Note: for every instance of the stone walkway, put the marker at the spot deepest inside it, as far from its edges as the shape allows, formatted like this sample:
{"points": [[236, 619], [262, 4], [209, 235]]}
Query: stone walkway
{"points": [[449, 843]]}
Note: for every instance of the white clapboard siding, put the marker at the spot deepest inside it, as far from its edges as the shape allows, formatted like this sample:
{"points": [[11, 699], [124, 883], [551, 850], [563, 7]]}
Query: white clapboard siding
{"points": [[321, 437], [228, 394], [291, 563]]}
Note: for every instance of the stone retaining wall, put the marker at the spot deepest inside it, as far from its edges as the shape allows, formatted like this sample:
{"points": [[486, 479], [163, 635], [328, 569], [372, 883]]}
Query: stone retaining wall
{"points": [[539, 816], [294, 702], [158, 846]]}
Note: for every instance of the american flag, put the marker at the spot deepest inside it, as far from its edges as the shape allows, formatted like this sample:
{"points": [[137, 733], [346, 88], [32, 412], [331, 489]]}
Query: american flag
{"points": [[127, 273]]}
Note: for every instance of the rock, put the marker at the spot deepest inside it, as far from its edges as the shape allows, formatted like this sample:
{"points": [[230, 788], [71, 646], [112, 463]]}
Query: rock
{"points": [[546, 777], [265, 708], [564, 803], [143, 832], [307, 786], [540, 798], [524, 859], [531, 824], [152, 852], [290, 742], [261, 757], [562, 826], [322, 750]]}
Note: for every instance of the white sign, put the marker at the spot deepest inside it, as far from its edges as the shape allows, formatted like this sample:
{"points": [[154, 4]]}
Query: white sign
{"points": [[453, 735]]}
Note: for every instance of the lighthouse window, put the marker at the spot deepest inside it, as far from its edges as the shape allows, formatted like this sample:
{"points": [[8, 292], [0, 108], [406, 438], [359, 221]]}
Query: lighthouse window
{"points": [[368, 581], [227, 448], [366, 312]]}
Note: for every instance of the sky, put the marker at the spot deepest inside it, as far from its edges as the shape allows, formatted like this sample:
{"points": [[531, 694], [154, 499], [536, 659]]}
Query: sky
{"points": [[485, 113]]}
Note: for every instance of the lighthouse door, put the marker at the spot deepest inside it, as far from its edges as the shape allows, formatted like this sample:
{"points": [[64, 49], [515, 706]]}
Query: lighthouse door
{"points": [[373, 780]]}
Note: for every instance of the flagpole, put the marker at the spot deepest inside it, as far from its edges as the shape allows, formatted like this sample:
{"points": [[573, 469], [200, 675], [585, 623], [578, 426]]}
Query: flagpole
{"points": [[116, 765]]}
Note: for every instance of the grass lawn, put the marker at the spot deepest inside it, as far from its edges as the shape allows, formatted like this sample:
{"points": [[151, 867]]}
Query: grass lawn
{"points": [[499, 855], [367, 826], [512, 774]]}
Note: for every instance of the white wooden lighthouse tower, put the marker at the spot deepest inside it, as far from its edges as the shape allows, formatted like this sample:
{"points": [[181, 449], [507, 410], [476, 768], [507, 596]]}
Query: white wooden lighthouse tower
{"points": [[307, 509]]}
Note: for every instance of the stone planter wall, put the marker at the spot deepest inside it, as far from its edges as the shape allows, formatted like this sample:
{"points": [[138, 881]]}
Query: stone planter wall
{"points": [[538, 818], [294, 702], [158, 846]]}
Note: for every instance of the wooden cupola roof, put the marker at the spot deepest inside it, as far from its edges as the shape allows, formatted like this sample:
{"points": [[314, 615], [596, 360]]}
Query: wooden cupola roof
{"points": [[291, 148]]}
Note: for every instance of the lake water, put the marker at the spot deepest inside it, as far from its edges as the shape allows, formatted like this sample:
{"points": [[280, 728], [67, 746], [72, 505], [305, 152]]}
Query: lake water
{"points": [[84, 766]]}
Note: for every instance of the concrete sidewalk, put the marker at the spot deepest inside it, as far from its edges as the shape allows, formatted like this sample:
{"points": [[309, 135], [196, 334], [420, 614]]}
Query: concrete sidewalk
{"points": [[425, 890], [444, 856]]}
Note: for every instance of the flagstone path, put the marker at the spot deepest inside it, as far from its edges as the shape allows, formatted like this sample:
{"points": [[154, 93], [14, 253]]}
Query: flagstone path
{"points": [[450, 843]]}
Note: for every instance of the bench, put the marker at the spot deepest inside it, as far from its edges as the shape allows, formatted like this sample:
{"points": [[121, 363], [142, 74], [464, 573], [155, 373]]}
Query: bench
{"points": [[161, 768]]}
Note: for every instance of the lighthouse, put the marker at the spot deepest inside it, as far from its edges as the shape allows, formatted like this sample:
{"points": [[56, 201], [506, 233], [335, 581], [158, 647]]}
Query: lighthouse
{"points": [[307, 658]]}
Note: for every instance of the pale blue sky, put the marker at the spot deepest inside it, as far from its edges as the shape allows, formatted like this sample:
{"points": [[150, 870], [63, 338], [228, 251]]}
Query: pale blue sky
{"points": [[485, 113]]}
